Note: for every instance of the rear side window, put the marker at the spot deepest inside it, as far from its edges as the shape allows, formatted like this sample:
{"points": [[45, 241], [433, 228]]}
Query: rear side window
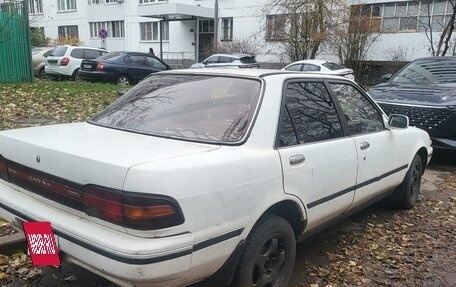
{"points": [[333, 66], [59, 51], [308, 115], [310, 68], [77, 53], [91, 54], [225, 60], [113, 57], [138, 60], [248, 60]]}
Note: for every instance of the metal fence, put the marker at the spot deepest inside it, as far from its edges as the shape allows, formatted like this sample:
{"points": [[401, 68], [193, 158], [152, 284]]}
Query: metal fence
{"points": [[15, 50]]}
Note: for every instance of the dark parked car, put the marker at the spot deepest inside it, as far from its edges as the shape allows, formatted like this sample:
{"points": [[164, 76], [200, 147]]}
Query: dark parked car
{"points": [[425, 91], [123, 68]]}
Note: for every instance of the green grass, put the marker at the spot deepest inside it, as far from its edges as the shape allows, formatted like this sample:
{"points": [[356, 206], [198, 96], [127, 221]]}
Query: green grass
{"points": [[57, 101]]}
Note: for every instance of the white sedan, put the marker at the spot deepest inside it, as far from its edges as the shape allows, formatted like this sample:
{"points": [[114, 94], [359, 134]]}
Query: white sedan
{"points": [[321, 67], [196, 173]]}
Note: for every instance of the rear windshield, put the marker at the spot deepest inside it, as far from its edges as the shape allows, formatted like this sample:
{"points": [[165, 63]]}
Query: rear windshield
{"points": [[333, 66], [248, 60], [428, 71], [59, 51], [194, 107], [113, 56]]}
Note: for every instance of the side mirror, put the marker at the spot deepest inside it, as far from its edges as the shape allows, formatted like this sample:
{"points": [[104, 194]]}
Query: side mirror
{"points": [[386, 77], [204, 62], [398, 121]]}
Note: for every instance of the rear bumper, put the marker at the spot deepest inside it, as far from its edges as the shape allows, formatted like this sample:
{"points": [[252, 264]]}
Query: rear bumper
{"points": [[124, 259], [96, 76], [62, 71]]}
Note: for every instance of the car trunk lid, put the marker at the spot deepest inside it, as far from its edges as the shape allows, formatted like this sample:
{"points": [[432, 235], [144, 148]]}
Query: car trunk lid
{"points": [[85, 154], [89, 65]]}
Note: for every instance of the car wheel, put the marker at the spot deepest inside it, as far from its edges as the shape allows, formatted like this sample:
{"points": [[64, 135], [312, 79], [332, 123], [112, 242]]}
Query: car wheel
{"points": [[269, 255], [123, 80], [42, 74], [75, 76], [406, 194]]}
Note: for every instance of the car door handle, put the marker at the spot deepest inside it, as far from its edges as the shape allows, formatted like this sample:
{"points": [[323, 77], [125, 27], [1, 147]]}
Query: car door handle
{"points": [[364, 145], [296, 159]]}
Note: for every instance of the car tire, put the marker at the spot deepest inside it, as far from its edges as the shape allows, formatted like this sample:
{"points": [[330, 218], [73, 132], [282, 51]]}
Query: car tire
{"points": [[123, 80], [406, 194], [269, 254], [42, 74], [75, 75]]}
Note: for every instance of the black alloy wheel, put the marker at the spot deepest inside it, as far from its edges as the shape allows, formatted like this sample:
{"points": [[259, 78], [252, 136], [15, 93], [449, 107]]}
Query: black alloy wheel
{"points": [[269, 255]]}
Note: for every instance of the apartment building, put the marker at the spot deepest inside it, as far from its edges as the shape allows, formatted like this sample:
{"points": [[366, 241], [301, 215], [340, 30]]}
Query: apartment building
{"points": [[186, 27]]}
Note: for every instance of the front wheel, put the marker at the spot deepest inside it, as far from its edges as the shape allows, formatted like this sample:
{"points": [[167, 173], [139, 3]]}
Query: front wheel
{"points": [[269, 255], [406, 194]]}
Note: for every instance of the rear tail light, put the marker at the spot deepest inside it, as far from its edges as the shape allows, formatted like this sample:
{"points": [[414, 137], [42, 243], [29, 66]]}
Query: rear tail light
{"points": [[100, 66], [65, 61], [3, 169], [132, 210]]}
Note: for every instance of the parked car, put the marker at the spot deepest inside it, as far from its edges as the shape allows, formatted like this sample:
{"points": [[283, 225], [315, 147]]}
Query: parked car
{"points": [[425, 91], [228, 61], [39, 55], [123, 68], [65, 60], [194, 172], [320, 66]]}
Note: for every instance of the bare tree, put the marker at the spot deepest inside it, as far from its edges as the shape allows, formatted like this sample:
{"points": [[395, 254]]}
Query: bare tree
{"points": [[352, 37], [440, 45], [244, 46], [301, 26]]}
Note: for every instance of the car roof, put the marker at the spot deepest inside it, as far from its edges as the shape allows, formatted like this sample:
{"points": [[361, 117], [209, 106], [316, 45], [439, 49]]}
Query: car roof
{"points": [[82, 47], [253, 73], [312, 61], [234, 55]]}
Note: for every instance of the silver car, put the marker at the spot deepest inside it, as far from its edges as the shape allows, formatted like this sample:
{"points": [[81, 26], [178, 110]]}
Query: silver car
{"points": [[228, 61], [39, 55]]}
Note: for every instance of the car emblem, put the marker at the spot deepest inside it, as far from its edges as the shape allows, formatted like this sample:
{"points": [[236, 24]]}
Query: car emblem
{"points": [[38, 159]]}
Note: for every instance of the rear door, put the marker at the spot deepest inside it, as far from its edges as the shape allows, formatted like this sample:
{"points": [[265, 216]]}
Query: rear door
{"points": [[319, 161], [138, 67], [382, 153]]}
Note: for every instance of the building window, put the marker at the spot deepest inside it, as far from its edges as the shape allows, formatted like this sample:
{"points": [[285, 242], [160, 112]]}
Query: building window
{"points": [[206, 26], [404, 16], [115, 29], [95, 2], [66, 32], [111, 1], [66, 5], [36, 6], [150, 31], [227, 29], [275, 27], [151, 1], [165, 31]]}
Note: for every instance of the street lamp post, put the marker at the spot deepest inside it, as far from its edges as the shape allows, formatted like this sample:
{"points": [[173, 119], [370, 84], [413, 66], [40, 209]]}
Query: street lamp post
{"points": [[216, 10]]}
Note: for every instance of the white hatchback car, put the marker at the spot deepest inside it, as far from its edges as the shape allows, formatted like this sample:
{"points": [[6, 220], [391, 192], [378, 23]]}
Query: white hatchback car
{"points": [[322, 67], [65, 61], [193, 173]]}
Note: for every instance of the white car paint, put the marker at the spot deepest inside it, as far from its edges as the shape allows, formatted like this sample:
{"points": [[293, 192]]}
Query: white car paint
{"points": [[321, 68], [222, 190]]}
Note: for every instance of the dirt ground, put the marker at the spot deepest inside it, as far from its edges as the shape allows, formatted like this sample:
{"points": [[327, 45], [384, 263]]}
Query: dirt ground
{"points": [[376, 247]]}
